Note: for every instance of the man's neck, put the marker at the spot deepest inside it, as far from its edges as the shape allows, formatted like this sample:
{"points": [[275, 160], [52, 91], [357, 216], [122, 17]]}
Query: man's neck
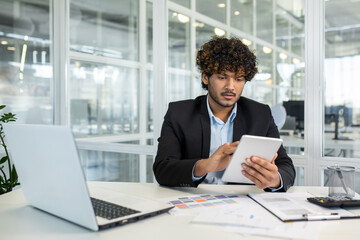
{"points": [[220, 112]]}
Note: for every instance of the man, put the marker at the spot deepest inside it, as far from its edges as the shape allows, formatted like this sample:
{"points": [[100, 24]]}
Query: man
{"points": [[199, 136]]}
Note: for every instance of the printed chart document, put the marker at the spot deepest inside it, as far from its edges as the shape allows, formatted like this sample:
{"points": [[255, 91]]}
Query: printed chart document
{"points": [[245, 212], [195, 204], [295, 207], [240, 214]]}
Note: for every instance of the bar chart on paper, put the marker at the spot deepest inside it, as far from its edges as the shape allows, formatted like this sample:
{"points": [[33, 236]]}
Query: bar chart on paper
{"points": [[196, 203], [206, 200]]}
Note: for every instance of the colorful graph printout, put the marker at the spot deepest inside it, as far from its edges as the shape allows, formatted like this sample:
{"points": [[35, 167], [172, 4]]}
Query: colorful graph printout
{"points": [[206, 200]]}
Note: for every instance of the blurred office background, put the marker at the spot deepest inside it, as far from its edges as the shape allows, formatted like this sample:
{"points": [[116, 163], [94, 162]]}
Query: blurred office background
{"points": [[90, 65]]}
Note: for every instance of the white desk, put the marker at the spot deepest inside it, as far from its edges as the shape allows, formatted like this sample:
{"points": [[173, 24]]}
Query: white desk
{"points": [[20, 221]]}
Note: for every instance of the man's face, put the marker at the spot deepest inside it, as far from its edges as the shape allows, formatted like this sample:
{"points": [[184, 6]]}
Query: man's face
{"points": [[224, 88]]}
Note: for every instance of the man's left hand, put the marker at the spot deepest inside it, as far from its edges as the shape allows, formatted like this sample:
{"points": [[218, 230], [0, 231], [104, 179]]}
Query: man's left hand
{"points": [[261, 172]]}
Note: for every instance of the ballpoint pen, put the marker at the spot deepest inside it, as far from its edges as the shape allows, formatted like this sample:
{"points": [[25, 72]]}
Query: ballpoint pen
{"points": [[338, 170], [317, 217]]}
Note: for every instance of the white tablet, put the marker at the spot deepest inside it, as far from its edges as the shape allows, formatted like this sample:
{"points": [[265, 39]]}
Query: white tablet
{"points": [[264, 147]]}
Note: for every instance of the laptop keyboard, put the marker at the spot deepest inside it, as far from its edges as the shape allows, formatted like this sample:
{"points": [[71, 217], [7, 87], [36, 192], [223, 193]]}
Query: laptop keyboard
{"points": [[110, 210]]}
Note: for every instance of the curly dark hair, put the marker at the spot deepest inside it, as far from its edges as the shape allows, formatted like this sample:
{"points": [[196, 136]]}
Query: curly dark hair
{"points": [[221, 54]]}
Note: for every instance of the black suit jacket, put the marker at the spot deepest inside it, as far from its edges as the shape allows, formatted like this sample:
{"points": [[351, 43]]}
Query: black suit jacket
{"points": [[185, 138]]}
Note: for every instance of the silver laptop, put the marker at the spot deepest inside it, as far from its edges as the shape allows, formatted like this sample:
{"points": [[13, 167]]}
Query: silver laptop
{"points": [[51, 177]]}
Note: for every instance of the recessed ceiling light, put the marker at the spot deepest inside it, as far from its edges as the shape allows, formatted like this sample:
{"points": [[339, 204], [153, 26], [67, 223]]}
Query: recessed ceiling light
{"points": [[236, 13], [219, 32], [247, 42], [221, 5], [183, 18], [11, 48], [267, 50], [283, 56], [199, 24], [4, 42], [296, 61]]}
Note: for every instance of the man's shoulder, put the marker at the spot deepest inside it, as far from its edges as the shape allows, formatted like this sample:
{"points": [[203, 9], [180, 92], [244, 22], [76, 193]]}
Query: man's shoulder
{"points": [[188, 104], [244, 101], [249, 105], [186, 110]]}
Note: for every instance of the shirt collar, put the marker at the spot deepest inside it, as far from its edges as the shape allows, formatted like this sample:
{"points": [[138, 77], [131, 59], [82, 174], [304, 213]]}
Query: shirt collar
{"points": [[211, 115]]}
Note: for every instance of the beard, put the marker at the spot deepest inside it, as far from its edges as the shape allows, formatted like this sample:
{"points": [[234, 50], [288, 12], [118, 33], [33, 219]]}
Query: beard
{"points": [[224, 103]]}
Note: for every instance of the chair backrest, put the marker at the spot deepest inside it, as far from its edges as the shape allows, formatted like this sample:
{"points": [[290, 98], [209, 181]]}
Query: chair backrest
{"points": [[279, 115]]}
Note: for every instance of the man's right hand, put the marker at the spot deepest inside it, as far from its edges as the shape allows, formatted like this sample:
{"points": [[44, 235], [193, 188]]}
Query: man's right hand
{"points": [[216, 162]]}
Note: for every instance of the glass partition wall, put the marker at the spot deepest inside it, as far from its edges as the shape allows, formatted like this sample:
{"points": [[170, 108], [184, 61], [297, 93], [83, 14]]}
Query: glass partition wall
{"points": [[26, 67], [109, 88], [106, 91], [107, 71], [341, 106]]}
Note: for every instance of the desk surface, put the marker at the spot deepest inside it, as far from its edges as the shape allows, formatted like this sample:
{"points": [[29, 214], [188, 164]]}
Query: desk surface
{"points": [[20, 221]]}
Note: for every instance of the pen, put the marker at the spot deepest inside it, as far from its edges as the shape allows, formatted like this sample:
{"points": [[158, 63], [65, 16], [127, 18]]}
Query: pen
{"points": [[338, 170], [317, 217]]}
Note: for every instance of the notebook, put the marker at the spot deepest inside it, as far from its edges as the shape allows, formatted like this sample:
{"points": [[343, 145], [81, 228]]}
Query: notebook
{"points": [[51, 177]]}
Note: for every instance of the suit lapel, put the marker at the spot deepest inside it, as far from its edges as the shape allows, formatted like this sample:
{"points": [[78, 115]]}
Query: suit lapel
{"points": [[239, 123], [205, 127]]}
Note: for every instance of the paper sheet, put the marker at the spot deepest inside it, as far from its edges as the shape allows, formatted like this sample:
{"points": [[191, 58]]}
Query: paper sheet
{"points": [[292, 206], [246, 213], [291, 230], [239, 214]]}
